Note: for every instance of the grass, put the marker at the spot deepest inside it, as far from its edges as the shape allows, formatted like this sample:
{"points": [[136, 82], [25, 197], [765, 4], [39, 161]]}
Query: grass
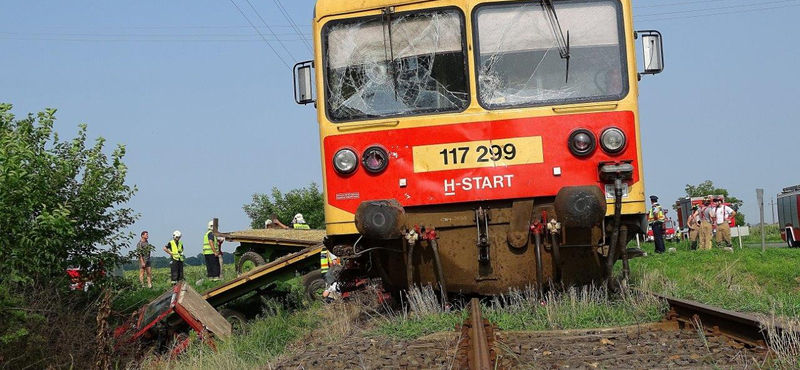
{"points": [[422, 314], [136, 295], [745, 280], [576, 308], [265, 338]]}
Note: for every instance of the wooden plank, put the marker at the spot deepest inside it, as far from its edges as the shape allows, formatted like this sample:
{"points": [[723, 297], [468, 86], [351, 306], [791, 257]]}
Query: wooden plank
{"points": [[203, 312], [285, 236]]}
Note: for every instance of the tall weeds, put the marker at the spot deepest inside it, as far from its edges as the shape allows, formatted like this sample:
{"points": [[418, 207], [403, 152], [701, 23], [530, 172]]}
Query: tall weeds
{"points": [[577, 307]]}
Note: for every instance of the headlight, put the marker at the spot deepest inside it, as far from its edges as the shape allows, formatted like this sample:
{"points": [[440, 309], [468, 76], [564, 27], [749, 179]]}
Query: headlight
{"points": [[375, 159], [612, 140], [345, 161], [581, 142]]}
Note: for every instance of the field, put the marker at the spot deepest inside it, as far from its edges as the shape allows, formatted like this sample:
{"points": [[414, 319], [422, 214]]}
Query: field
{"points": [[136, 295]]}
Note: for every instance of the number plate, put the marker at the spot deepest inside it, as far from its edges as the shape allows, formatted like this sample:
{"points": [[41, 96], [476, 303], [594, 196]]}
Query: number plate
{"points": [[478, 154]]}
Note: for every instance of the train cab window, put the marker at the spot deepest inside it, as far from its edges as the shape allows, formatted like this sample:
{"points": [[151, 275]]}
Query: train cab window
{"points": [[395, 65], [520, 56]]}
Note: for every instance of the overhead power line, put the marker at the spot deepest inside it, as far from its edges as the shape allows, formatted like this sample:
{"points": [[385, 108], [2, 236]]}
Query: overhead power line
{"points": [[718, 8], [676, 4], [262, 36], [721, 13], [294, 26], [270, 30]]}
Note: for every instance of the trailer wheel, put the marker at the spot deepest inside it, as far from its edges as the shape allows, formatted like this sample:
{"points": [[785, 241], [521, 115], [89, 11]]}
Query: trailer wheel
{"points": [[314, 285], [249, 261], [237, 320]]}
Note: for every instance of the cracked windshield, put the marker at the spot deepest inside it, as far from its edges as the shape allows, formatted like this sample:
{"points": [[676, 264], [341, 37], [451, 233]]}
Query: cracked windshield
{"points": [[396, 64], [520, 63]]}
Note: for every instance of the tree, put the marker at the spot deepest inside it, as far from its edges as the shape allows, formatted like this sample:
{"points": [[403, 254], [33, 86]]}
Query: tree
{"points": [[61, 203], [307, 201], [707, 188]]}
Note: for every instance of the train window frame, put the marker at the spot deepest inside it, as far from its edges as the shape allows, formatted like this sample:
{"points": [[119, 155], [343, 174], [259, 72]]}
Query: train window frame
{"points": [[625, 72], [464, 49]]}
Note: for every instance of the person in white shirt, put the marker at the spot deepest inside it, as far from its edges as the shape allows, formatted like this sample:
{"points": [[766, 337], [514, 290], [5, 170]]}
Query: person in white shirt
{"points": [[722, 216]]}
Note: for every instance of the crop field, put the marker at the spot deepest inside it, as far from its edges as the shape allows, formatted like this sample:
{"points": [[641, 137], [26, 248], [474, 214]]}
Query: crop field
{"points": [[137, 295]]}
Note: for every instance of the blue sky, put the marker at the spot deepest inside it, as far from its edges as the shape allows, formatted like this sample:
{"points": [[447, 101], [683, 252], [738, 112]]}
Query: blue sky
{"points": [[205, 107]]}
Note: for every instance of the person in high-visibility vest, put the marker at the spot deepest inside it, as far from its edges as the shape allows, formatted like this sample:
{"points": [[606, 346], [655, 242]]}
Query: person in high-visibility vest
{"points": [[211, 253], [324, 262], [175, 249], [656, 219], [298, 222]]}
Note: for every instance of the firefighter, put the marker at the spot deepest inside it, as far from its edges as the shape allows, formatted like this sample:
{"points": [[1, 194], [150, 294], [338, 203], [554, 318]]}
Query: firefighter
{"points": [[175, 249], [704, 219], [656, 219], [211, 253], [298, 222], [694, 226], [722, 215]]}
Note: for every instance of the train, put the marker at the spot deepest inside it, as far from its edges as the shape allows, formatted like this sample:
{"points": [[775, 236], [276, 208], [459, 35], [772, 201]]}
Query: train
{"points": [[478, 146]]}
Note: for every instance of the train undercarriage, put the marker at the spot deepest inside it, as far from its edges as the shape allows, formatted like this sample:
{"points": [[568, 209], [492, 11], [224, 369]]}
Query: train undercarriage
{"points": [[488, 247]]}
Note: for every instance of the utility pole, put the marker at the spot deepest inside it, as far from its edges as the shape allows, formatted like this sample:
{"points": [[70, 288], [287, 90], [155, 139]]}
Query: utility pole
{"points": [[772, 208], [760, 198]]}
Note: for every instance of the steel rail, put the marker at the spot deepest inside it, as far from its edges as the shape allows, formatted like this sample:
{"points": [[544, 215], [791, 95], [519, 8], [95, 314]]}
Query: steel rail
{"points": [[477, 338], [741, 327]]}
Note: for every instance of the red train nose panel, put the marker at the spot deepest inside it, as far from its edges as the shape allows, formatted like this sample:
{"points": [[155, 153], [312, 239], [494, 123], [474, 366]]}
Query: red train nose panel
{"points": [[517, 158]]}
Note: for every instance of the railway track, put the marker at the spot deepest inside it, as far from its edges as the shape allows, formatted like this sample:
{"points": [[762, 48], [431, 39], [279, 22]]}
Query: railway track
{"points": [[476, 347], [689, 325]]}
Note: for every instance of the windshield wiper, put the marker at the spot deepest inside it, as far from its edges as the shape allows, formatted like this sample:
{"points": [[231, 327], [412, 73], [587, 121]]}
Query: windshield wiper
{"points": [[387, 21], [563, 42]]}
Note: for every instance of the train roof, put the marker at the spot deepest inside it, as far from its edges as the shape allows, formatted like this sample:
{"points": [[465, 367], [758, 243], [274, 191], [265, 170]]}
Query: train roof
{"points": [[334, 7]]}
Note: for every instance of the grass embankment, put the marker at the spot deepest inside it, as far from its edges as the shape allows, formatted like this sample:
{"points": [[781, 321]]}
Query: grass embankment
{"points": [[744, 280]]}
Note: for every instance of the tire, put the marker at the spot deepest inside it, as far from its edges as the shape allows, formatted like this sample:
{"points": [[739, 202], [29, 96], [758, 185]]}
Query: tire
{"points": [[237, 320], [314, 284], [249, 261]]}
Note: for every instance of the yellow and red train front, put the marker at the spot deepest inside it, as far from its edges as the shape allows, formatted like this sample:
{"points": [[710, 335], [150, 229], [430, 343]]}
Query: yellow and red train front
{"points": [[450, 107]]}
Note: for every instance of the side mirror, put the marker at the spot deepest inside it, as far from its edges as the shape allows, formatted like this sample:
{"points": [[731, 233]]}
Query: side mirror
{"points": [[303, 92], [653, 50]]}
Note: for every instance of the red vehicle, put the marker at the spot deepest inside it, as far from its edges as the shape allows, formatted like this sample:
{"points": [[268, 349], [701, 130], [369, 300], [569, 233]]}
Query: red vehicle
{"points": [[789, 215], [166, 319], [670, 231], [78, 279]]}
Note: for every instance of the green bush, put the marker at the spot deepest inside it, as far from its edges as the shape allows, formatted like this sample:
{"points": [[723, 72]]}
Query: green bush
{"points": [[61, 205]]}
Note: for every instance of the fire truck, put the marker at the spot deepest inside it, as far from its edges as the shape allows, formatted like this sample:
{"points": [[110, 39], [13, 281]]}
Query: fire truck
{"points": [[789, 215], [683, 206], [478, 146]]}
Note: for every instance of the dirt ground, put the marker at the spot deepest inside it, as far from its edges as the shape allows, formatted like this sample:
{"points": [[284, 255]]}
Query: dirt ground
{"points": [[656, 347]]}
